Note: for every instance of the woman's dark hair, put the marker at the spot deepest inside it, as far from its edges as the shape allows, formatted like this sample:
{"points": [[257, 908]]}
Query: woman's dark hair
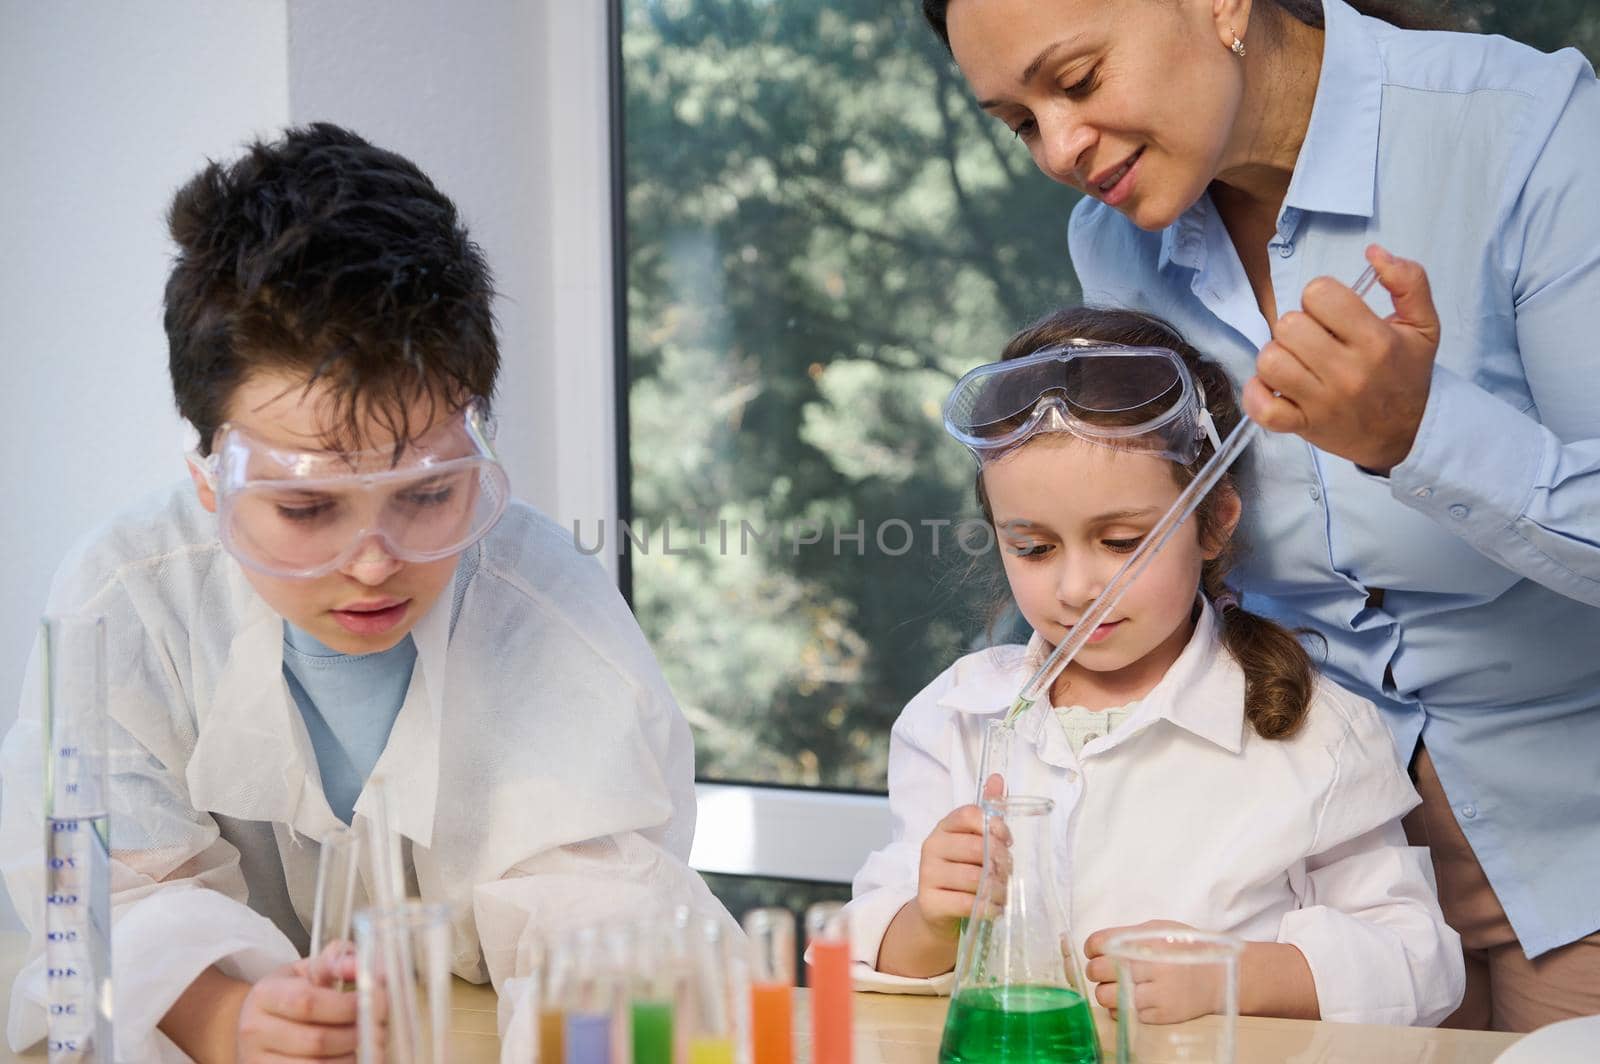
{"points": [[327, 257], [1278, 672], [1402, 13]]}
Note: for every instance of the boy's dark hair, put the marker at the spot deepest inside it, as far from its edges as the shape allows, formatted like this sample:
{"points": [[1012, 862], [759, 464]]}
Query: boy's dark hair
{"points": [[1278, 672], [1402, 13], [321, 255]]}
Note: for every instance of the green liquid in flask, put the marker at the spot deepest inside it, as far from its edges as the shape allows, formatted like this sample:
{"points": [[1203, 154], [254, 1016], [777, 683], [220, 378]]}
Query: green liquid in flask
{"points": [[1019, 1025]]}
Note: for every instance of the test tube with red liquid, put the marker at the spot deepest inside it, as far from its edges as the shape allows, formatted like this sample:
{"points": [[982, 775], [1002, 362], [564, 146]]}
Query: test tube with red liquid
{"points": [[828, 942]]}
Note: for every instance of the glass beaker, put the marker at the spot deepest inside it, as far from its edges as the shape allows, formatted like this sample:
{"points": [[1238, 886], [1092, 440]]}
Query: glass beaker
{"points": [[1018, 995], [1200, 956]]}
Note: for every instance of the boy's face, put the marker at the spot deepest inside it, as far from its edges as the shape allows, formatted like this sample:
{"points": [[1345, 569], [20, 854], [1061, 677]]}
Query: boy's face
{"points": [[373, 601], [1067, 515]]}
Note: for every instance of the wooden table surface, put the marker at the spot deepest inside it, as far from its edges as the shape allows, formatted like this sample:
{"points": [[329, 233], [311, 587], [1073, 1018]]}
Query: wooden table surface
{"points": [[893, 1029]]}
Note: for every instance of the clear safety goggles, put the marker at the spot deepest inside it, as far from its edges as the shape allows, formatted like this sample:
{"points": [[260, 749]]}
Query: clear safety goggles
{"points": [[1131, 398], [307, 513]]}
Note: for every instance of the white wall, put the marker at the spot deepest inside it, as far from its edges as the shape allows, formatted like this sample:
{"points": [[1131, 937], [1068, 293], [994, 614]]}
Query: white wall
{"points": [[106, 108]]}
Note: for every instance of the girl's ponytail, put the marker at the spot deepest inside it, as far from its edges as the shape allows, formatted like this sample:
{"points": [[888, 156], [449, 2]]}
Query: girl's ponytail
{"points": [[1278, 674]]}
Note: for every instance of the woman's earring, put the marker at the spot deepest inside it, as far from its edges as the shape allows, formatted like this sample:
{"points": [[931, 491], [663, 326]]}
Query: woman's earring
{"points": [[1238, 45]]}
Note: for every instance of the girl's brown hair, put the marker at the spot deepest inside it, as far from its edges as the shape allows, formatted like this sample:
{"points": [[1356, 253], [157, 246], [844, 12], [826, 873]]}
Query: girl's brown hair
{"points": [[1278, 672]]}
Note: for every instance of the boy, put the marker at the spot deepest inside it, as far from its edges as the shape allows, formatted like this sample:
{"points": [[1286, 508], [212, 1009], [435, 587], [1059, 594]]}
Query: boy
{"points": [[345, 591]]}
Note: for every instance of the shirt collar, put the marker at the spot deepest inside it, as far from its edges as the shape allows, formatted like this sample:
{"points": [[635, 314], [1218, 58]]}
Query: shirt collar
{"points": [[1184, 241], [1203, 692], [253, 759], [1337, 170]]}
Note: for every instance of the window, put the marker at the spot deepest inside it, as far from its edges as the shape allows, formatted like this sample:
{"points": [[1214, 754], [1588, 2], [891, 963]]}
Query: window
{"points": [[822, 233]]}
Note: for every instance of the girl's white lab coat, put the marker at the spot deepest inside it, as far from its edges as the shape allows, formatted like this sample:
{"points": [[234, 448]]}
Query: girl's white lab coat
{"points": [[1184, 813], [543, 772]]}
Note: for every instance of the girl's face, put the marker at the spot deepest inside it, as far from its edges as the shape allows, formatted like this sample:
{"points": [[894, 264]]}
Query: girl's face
{"points": [[1067, 514], [1130, 101]]}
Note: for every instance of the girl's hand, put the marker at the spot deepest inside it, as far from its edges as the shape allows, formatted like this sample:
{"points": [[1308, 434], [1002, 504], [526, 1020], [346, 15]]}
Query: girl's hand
{"points": [[1344, 379], [1164, 993], [952, 861], [296, 1014]]}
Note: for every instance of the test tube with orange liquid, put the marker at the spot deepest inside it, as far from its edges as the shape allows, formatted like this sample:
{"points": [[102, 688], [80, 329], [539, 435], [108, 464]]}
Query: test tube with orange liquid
{"points": [[828, 956], [771, 935]]}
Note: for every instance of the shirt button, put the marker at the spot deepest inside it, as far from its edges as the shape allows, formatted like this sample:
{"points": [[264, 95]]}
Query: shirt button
{"points": [[1285, 250], [1423, 493], [1469, 811], [1459, 512], [1316, 493]]}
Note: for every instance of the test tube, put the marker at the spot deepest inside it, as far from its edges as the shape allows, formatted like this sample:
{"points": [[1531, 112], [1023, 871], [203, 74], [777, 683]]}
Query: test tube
{"points": [[712, 1019], [338, 868], [586, 1028], [828, 942], [657, 979], [552, 978], [771, 935], [403, 1010], [998, 737]]}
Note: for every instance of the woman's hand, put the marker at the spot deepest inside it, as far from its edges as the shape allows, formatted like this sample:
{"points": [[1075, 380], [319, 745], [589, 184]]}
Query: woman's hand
{"points": [[1164, 993], [1344, 379]]}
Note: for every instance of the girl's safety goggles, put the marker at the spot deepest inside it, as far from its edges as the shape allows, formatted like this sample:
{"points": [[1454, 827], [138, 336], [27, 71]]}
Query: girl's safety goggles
{"points": [[307, 513], [1131, 398]]}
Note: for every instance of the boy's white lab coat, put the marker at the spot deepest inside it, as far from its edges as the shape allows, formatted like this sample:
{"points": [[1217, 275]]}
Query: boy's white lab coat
{"points": [[1184, 813], [542, 772]]}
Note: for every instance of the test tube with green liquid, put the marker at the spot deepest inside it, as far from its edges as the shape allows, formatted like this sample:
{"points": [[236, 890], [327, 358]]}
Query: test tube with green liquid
{"points": [[657, 979]]}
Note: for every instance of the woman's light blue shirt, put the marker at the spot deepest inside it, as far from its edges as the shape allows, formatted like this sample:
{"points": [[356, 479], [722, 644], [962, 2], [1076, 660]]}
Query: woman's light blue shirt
{"points": [[1480, 158]]}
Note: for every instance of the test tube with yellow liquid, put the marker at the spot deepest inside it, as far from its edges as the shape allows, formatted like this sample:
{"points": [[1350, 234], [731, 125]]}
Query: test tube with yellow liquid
{"points": [[712, 1013]]}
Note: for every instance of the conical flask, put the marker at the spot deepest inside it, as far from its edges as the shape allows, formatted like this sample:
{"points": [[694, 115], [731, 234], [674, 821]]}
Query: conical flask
{"points": [[1018, 995]]}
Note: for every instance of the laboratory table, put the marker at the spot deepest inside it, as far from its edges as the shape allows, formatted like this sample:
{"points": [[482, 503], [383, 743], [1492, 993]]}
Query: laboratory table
{"points": [[894, 1029]]}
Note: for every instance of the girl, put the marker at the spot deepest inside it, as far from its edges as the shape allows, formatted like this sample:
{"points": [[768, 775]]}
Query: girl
{"points": [[1203, 774]]}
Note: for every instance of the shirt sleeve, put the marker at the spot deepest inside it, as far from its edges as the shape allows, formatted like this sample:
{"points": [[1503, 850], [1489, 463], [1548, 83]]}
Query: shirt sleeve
{"points": [[1369, 922], [1522, 487], [920, 795], [177, 891]]}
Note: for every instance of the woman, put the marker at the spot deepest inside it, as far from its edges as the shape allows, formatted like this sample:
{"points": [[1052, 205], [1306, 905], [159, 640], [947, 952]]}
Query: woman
{"points": [[1433, 505]]}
